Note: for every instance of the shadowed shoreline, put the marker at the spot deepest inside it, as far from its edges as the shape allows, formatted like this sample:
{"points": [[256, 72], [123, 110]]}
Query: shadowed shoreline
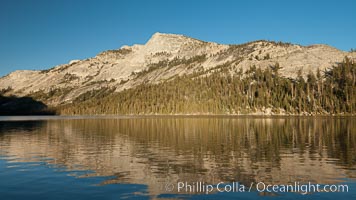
{"points": [[23, 106]]}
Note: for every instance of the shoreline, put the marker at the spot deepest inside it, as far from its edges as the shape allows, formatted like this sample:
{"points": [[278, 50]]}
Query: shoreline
{"points": [[141, 116]]}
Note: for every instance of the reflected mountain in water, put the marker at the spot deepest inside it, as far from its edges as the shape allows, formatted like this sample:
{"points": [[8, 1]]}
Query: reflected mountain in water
{"points": [[156, 150]]}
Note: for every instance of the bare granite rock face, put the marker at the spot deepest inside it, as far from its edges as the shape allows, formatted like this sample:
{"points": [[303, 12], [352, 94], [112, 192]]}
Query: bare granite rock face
{"points": [[164, 57]]}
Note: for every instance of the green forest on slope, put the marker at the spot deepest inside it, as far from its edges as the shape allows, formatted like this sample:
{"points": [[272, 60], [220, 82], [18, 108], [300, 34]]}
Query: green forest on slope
{"points": [[329, 92]]}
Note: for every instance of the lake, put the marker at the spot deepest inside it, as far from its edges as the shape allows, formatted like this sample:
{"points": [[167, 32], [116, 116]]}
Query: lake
{"points": [[165, 157]]}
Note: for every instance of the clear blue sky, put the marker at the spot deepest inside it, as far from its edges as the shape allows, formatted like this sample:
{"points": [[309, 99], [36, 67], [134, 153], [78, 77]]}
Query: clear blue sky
{"points": [[38, 34]]}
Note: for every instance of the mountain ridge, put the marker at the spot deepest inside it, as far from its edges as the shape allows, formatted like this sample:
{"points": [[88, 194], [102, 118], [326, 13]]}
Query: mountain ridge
{"points": [[164, 57]]}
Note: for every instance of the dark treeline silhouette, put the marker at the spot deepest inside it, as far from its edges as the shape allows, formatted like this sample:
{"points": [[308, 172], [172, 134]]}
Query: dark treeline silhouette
{"points": [[329, 92], [22, 106]]}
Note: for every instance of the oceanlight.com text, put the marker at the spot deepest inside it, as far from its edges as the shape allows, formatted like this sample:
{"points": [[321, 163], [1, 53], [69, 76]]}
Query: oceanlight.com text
{"points": [[297, 187]]}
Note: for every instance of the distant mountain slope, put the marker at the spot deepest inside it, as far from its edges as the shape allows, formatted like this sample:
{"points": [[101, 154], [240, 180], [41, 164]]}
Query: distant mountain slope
{"points": [[163, 58]]}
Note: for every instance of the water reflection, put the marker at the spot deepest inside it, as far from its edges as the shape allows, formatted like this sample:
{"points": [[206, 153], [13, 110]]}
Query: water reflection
{"points": [[153, 151], [14, 126]]}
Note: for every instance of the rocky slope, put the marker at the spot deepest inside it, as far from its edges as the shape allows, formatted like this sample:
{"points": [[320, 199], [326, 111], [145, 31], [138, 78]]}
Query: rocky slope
{"points": [[162, 58]]}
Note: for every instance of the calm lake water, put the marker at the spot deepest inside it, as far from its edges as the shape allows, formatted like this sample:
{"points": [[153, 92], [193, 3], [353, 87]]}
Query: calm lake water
{"points": [[175, 157]]}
